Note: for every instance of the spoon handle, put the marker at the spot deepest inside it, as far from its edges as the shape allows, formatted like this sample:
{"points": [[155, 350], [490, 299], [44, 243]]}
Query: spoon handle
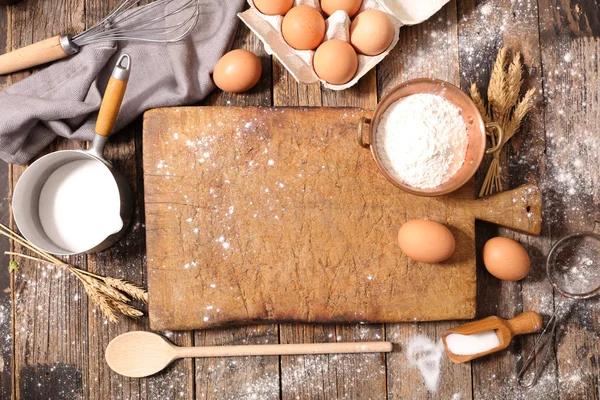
{"points": [[284, 349]]}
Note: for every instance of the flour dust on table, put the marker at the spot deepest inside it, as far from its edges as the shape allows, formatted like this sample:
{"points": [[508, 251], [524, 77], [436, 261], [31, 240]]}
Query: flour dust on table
{"points": [[80, 205], [424, 140], [426, 355]]}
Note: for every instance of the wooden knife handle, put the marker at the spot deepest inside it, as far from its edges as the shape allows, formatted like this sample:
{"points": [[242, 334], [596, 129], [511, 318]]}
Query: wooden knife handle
{"points": [[528, 322], [284, 349], [32, 56]]}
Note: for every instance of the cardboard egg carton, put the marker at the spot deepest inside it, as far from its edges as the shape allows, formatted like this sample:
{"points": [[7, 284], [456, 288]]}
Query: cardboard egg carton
{"points": [[300, 62]]}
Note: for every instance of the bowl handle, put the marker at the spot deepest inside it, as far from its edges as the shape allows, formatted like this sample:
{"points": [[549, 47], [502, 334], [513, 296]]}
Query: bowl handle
{"points": [[494, 126], [361, 128]]}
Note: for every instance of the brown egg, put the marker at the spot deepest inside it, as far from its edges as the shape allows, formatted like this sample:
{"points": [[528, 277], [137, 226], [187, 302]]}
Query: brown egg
{"points": [[273, 7], [426, 241], [335, 62], [303, 28], [237, 71], [372, 32], [350, 6], [506, 259]]}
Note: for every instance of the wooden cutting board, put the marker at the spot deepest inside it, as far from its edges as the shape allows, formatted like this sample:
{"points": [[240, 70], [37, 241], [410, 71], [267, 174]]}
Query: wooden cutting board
{"points": [[276, 214]]}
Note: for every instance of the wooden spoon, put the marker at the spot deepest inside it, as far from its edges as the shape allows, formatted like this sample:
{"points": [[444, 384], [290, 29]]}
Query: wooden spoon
{"points": [[528, 322], [140, 354]]}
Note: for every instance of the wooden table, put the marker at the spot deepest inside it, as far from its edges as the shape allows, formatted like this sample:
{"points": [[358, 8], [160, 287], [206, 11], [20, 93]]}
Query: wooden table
{"points": [[53, 342]]}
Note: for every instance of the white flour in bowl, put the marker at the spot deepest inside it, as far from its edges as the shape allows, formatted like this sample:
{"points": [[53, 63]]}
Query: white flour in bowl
{"points": [[80, 205], [422, 140]]}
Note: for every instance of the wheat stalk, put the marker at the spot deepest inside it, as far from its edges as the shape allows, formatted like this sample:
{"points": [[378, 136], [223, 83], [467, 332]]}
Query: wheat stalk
{"points": [[514, 80], [497, 88], [504, 107], [478, 100], [110, 295]]}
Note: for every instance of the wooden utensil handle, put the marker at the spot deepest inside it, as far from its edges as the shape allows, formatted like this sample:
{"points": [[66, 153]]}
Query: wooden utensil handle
{"points": [[528, 322], [113, 97], [31, 56], [285, 349]]}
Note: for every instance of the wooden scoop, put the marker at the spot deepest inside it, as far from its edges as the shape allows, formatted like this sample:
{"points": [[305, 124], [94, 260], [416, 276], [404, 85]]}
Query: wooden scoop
{"points": [[528, 322], [140, 354]]}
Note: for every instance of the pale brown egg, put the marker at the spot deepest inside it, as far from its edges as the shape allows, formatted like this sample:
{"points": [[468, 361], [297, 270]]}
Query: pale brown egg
{"points": [[336, 62], [303, 28], [237, 71], [426, 241], [506, 259], [273, 7], [372, 32], [350, 6]]}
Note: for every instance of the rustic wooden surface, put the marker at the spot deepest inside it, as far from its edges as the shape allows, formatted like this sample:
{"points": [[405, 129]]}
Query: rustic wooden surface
{"points": [[276, 214], [54, 347]]}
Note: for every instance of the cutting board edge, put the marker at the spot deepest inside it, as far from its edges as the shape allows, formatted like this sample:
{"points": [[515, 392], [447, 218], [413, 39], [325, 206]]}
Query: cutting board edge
{"points": [[156, 325]]}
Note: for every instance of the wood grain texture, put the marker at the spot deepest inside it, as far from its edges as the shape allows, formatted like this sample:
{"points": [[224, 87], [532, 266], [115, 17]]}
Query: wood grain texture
{"points": [[230, 378], [481, 33], [33, 55], [570, 52], [567, 27], [246, 218], [312, 377], [6, 293]]}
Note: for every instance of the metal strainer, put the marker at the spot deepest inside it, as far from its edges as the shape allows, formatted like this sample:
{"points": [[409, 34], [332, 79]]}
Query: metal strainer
{"points": [[573, 269]]}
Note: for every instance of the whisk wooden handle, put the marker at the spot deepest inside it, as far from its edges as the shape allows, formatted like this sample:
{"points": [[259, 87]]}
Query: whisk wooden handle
{"points": [[32, 56]]}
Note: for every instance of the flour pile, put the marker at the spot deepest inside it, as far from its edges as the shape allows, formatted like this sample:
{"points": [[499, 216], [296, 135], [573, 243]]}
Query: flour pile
{"points": [[422, 140]]}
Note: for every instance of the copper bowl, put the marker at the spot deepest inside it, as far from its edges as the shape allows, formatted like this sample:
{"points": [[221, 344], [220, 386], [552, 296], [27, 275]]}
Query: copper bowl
{"points": [[475, 126]]}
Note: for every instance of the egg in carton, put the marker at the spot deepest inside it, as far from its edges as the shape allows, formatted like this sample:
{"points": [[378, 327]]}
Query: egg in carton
{"points": [[300, 62]]}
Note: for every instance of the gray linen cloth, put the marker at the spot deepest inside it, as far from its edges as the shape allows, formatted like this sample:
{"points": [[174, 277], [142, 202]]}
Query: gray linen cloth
{"points": [[64, 98]]}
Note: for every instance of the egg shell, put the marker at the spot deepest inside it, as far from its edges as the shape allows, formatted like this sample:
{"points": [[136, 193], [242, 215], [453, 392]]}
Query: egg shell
{"points": [[303, 28], [426, 241], [351, 7], [274, 7], [506, 259], [237, 71], [336, 62], [372, 32]]}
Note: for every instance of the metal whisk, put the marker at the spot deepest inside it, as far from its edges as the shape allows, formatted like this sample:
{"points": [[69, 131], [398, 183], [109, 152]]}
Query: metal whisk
{"points": [[162, 21]]}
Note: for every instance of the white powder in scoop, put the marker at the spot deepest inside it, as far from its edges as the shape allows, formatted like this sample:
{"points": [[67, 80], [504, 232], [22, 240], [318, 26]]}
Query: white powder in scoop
{"points": [[79, 205], [422, 140], [466, 345]]}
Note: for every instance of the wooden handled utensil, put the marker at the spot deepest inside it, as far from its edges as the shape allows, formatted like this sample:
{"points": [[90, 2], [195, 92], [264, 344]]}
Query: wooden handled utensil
{"points": [[473, 332], [140, 354]]}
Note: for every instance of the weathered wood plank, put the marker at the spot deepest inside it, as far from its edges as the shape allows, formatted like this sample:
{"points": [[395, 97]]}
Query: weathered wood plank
{"points": [[570, 48], [485, 27], [426, 50], [50, 325], [6, 376], [247, 377]]}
